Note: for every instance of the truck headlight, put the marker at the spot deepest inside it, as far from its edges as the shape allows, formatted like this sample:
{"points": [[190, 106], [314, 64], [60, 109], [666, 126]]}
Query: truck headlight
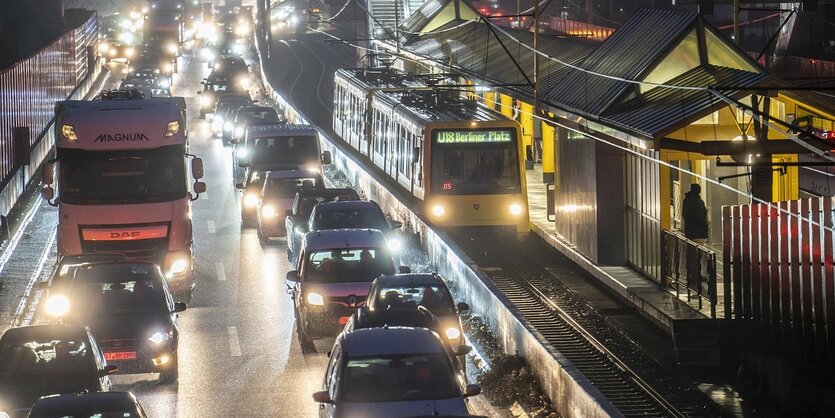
{"points": [[515, 209], [315, 299], [69, 132], [239, 132], [178, 267], [173, 128], [57, 306], [250, 200]]}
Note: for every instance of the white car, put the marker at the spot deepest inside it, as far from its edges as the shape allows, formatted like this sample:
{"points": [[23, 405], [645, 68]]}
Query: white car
{"points": [[392, 372]]}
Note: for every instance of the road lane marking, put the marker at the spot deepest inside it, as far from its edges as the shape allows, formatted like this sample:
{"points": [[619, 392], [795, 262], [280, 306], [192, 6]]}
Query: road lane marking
{"points": [[210, 225], [220, 270], [234, 344]]}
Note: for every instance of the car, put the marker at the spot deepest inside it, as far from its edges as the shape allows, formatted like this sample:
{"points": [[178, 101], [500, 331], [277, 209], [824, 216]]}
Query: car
{"points": [[100, 404], [233, 67], [129, 309], [392, 372], [251, 188], [213, 87], [426, 290], [117, 51], [355, 214], [333, 275], [295, 220], [43, 360], [282, 143], [226, 101], [276, 197], [243, 116]]}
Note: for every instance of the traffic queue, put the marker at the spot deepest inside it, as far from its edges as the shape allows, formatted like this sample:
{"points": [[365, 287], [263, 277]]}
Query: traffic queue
{"points": [[113, 301]]}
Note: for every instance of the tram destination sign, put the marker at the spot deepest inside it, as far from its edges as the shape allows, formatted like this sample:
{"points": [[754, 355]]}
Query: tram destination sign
{"points": [[473, 136]]}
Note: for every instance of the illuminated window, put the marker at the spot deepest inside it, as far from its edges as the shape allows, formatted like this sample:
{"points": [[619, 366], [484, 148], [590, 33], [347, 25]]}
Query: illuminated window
{"points": [[681, 59], [720, 54]]}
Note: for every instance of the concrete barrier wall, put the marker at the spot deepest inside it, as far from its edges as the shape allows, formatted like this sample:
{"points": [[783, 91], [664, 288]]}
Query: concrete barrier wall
{"points": [[571, 393]]}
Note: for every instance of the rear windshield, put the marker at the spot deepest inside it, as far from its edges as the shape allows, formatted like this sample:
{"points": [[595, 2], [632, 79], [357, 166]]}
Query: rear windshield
{"points": [[45, 355], [398, 378]]}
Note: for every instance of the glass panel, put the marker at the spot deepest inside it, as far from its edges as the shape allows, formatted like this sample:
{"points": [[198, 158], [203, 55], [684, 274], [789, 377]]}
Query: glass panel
{"points": [[683, 58], [720, 53]]}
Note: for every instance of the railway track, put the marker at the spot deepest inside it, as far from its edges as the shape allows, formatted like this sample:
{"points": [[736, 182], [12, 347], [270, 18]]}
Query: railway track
{"points": [[635, 383]]}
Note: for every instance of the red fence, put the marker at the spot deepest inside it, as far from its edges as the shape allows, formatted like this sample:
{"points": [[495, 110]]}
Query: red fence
{"points": [[778, 264]]}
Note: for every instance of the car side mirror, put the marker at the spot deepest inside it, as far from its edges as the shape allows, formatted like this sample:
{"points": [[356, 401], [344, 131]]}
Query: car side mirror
{"points": [[463, 350], [404, 270], [108, 370], [48, 173], [292, 276], [326, 158], [463, 307], [472, 390], [197, 168], [180, 307], [288, 212], [239, 186], [396, 224], [324, 397], [48, 193]]}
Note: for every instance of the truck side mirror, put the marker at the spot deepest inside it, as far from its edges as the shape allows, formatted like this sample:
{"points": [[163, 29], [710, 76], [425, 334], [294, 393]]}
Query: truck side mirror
{"points": [[199, 187], [197, 168], [48, 172], [326, 158]]}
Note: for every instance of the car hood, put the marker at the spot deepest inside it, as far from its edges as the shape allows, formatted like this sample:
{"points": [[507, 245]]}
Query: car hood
{"points": [[22, 390], [453, 406], [133, 326], [332, 290]]}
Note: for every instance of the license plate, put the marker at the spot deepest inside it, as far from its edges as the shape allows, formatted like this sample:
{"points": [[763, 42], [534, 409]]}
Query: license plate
{"points": [[343, 320], [120, 355]]}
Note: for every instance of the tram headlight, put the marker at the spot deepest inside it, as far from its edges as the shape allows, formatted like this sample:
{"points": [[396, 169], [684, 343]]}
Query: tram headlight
{"points": [[438, 210], [515, 209]]}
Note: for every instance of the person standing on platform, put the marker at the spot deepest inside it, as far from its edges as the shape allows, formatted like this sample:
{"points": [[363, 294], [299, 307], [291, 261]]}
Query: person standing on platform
{"points": [[694, 213]]}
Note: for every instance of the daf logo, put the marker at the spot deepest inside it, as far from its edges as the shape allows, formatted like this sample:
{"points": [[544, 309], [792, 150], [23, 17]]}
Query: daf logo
{"points": [[476, 206], [125, 234], [352, 301]]}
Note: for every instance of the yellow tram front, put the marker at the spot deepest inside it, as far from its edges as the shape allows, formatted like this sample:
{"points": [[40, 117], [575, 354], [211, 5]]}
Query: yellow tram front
{"points": [[475, 175]]}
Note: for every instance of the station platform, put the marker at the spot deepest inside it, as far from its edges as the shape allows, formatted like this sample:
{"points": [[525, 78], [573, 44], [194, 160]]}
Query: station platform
{"points": [[656, 303]]}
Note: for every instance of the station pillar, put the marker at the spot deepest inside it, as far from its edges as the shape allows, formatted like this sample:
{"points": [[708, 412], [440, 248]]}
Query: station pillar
{"points": [[548, 157]]}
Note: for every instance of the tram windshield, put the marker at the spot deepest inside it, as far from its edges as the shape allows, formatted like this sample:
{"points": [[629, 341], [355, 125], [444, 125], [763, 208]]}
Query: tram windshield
{"points": [[474, 162]]}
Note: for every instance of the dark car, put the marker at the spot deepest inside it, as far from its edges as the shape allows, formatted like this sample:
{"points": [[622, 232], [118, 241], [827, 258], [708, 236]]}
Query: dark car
{"points": [[117, 51], [130, 310], [88, 405], [243, 116], [354, 214], [43, 360], [213, 87], [226, 101], [425, 290], [295, 222], [251, 188], [277, 195], [231, 66]]}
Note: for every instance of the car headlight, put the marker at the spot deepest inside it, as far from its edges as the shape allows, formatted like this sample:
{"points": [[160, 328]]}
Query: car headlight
{"points": [[239, 132], [394, 244], [438, 210], [161, 337], [250, 200], [172, 48], [57, 306], [168, 67], [165, 83], [242, 153], [228, 126], [515, 209], [177, 267], [204, 101], [316, 299], [452, 333], [129, 52], [268, 211]]}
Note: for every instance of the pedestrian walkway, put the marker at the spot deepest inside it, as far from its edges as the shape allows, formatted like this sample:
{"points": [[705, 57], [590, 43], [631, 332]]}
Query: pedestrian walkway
{"points": [[657, 304]]}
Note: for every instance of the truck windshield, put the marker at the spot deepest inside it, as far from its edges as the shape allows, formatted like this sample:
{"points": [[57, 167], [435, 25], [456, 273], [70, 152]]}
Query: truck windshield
{"points": [[285, 150], [125, 176]]}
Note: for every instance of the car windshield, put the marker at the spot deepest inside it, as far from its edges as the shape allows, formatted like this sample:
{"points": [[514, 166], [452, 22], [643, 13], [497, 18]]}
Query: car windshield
{"points": [[435, 298], [346, 265], [286, 187], [398, 378], [218, 87], [119, 290], [334, 218], [134, 176], [33, 355], [285, 150]]}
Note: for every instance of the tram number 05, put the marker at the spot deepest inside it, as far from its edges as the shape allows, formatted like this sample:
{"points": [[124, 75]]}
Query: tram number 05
{"points": [[447, 185]]}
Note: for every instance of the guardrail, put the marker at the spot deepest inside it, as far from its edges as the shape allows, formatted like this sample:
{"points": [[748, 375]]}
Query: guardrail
{"points": [[570, 391], [690, 268]]}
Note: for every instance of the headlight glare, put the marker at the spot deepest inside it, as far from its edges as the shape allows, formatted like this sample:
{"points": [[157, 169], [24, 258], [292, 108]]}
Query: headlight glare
{"points": [[178, 267], [438, 210], [57, 306], [395, 244], [160, 337], [268, 211], [69, 132], [250, 200], [173, 128], [452, 333], [316, 299], [515, 209]]}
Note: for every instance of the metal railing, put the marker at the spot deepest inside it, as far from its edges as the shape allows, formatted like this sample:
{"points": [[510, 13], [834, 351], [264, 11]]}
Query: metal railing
{"points": [[690, 269]]}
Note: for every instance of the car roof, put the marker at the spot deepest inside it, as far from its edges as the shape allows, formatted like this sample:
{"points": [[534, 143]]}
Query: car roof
{"points": [[44, 331], [278, 128], [284, 174], [367, 342], [348, 238], [409, 279], [347, 205], [329, 192], [78, 403]]}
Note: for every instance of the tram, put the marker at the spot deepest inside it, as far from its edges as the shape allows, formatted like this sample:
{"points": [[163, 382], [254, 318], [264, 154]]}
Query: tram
{"points": [[461, 159]]}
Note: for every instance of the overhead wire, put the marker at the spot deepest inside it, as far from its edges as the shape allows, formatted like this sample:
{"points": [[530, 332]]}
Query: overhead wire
{"points": [[344, 6]]}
